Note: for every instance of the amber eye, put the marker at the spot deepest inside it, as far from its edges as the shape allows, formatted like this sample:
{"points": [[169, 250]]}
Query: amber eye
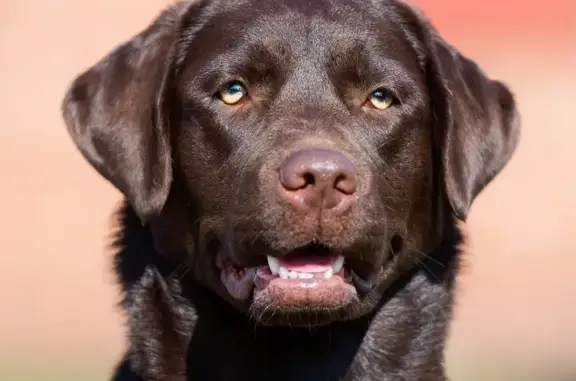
{"points": [[381, 99], [233, 93]]}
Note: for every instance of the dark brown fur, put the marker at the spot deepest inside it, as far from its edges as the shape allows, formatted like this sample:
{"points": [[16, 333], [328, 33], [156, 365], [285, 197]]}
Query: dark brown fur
{"points": [[199, 178]]}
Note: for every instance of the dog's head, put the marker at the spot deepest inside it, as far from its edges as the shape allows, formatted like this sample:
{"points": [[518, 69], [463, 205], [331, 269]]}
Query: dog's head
{"points": [[307, 148]]}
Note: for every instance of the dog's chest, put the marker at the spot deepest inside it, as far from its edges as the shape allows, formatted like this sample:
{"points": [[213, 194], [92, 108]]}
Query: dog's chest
{"points": [[330, 355]]}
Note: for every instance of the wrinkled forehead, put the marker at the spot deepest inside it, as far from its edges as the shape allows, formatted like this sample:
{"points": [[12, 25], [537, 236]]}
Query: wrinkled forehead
{"points": [[290, 33]]}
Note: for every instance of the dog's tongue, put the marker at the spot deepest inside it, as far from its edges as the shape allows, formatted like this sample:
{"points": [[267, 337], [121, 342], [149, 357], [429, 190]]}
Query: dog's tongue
{"points": [[308, 264]]}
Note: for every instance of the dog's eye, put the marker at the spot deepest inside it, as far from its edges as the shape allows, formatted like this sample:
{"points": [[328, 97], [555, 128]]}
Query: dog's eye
{"points": [[381, 99], [233, 93]]}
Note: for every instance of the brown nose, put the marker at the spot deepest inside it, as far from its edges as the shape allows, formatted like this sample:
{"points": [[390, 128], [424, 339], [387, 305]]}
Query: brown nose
{"points": [[319, 178]]}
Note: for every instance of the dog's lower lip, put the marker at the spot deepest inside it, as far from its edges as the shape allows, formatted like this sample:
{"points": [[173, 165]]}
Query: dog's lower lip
{"points": [[295, 271], [364, 285]]}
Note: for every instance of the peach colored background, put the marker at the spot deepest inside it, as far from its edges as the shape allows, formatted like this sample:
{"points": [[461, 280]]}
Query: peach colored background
{"points": [[517, 308]]}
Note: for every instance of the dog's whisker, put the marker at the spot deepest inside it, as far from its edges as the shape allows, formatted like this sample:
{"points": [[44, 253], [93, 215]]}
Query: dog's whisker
{"points": [[428, 256]]}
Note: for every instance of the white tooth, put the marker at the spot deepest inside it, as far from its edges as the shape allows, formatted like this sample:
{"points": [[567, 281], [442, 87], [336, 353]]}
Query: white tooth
{"points": [[283, 273], [273, 264], [328, 274], [292, 275], [305, 275], [338, 263]]}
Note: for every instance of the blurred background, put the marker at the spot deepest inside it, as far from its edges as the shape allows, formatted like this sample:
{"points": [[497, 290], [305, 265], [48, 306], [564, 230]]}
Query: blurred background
{"points": [[516, 315]]}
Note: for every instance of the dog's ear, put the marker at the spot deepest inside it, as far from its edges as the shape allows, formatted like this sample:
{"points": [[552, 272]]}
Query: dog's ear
{"points": [[116, 114], [478, 125]]}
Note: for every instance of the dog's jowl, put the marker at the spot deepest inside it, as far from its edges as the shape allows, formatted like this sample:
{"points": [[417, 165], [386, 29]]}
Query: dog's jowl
{"points": [[293, 174]]}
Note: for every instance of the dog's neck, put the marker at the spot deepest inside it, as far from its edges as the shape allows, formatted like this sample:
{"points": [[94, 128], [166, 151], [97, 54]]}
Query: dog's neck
{"points": [[181, 331]]}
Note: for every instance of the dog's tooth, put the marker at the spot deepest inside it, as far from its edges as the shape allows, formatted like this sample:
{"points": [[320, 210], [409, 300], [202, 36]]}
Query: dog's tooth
{"points": [[273, 264], [305, 275], [283, 273], [328, 274], [338, 263], [292, 275]]}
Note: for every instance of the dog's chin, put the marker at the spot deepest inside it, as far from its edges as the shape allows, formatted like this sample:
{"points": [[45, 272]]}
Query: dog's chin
{"points": [[300, 288]]}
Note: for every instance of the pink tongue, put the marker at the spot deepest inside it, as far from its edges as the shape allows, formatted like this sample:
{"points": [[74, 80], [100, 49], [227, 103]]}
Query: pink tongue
{"points": [[308, 264]]}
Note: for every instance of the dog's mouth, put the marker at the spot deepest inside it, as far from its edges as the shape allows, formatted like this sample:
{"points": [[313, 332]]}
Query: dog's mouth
{"points": [[311, 277]]}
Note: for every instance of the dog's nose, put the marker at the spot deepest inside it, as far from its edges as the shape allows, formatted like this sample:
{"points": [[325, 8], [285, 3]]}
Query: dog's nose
{"points": [[319, 178]]}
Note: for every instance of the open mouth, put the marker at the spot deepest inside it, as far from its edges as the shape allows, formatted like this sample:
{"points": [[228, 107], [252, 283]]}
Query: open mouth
{"points": [[303, 268], [309, 277]]}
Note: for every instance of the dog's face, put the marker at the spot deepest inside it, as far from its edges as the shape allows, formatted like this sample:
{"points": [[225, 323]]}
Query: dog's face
{"points": [[304, 141], [307, 148]]}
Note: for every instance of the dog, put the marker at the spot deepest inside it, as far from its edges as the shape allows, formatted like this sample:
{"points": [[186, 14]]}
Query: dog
{"points": [[294, 173]]}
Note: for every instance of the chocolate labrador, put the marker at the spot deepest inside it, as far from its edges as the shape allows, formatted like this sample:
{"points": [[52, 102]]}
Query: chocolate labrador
{"points": [[293, 174]]}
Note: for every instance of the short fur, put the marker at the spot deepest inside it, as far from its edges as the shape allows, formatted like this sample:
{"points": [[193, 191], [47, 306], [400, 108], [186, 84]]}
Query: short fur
{"points": [[199, 177]]}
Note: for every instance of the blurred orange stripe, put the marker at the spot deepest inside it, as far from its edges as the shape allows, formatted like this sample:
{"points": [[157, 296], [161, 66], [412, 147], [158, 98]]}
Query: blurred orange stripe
{"points": [[516, 17]]}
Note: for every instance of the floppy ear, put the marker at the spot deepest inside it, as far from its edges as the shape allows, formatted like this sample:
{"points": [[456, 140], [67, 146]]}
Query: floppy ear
{"points": [[115, 113], [479, 126]]}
